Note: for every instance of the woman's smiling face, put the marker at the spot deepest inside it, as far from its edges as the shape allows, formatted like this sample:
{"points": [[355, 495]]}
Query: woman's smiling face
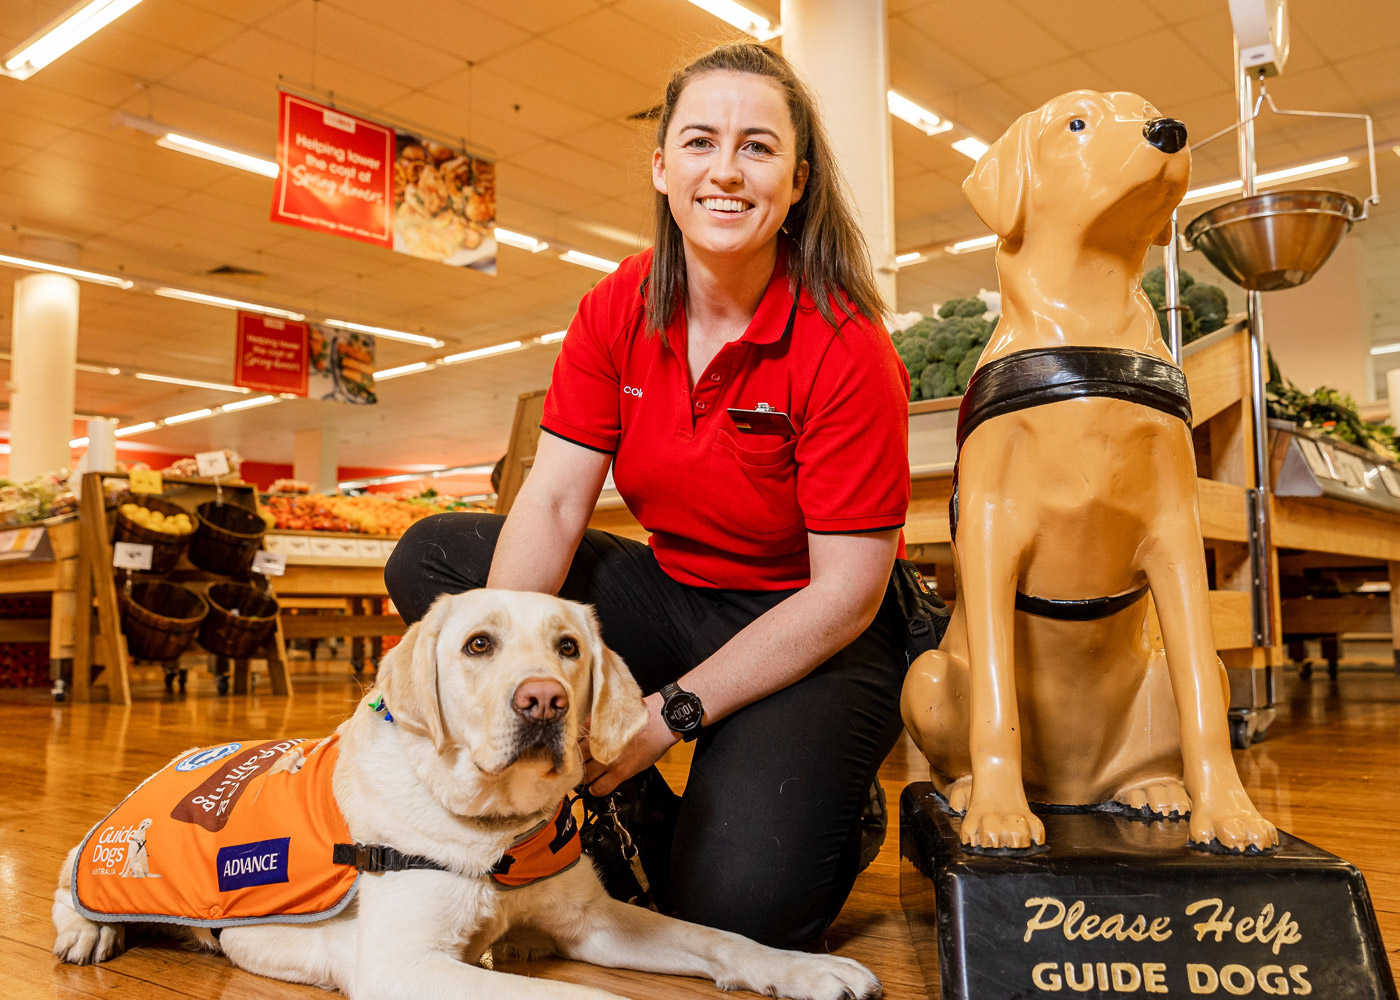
{"points": [[729, 168]]}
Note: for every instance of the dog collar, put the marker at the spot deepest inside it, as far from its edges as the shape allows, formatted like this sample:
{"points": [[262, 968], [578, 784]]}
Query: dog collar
{"points": [[378, 707]]}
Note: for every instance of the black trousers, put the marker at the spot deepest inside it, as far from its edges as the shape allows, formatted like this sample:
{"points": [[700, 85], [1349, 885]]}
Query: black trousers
{"points": [[767, 843]]}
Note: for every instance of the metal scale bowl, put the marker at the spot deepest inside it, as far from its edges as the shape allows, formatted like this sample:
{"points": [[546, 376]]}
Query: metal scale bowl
{"points": [[1269, 242]]}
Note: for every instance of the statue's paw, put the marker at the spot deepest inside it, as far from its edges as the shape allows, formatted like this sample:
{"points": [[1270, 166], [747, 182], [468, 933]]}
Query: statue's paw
{"points": [[960, 794], [1164, 797], [990, 829], [1235, 830]]}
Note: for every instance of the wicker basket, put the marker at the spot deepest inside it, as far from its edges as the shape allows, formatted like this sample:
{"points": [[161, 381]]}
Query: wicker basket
{"points": [[225, 538], [160, 619], [241, 617], [166, 548]]}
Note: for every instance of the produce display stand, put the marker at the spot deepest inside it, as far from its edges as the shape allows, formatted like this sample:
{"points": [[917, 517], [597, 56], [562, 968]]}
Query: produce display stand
{"points": [[42, 558], [98, 637]]}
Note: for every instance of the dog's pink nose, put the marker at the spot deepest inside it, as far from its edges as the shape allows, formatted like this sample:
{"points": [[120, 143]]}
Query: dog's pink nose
{"points": [[541, 700]]}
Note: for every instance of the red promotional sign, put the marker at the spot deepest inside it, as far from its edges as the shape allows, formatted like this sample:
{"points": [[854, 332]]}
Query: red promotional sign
{"points": [[335, 172], [271, 354]]}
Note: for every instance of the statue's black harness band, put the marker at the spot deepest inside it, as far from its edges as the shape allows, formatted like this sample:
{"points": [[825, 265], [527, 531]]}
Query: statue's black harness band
{"points": [[1051, 374]]}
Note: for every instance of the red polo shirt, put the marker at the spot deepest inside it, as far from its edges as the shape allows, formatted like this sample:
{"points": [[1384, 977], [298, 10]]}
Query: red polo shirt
{"points": [[727, 508]]}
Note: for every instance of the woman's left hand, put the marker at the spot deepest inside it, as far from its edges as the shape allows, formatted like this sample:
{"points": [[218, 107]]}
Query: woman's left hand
{"points": [[644, 750]]}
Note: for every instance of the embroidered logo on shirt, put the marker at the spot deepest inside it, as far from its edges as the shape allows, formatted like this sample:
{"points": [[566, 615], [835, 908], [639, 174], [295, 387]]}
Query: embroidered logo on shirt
{"points": [[262, 862], [632, 391]]}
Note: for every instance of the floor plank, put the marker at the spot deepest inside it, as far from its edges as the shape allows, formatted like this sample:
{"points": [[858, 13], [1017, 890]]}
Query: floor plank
{"points": [[1326, 773]]}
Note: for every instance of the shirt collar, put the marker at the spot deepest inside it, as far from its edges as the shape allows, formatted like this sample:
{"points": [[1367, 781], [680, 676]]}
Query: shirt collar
{"points": [[770, 320]]}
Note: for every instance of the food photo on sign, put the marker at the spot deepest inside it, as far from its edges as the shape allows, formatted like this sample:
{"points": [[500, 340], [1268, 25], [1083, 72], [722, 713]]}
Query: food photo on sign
{"points": [[444, 204], [341, 364]]}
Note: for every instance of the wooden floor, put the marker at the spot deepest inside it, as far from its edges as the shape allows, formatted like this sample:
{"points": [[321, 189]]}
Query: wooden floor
{"points": [[1328, 772]]}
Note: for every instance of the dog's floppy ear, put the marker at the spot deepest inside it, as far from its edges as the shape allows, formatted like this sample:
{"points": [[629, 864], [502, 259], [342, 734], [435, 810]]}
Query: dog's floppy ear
{"points": [[618, 712], [408, 676], [996, 188]]}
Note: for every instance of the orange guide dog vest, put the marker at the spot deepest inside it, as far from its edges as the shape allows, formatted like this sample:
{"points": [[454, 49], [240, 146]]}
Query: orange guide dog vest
{"points": [[247, 833]]}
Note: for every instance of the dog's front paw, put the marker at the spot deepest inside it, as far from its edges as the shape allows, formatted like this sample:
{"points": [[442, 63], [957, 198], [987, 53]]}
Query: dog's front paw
{"points": [[82, 942], [811, 977], [994, 829], [1234, 830]]}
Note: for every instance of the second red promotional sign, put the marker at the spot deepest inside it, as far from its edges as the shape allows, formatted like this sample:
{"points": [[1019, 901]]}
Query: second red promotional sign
{"points": [[271, 354], [335, 172]]}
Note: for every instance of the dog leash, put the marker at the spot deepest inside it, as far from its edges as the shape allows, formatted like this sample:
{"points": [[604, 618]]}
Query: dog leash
{"points": [[627, 847]]}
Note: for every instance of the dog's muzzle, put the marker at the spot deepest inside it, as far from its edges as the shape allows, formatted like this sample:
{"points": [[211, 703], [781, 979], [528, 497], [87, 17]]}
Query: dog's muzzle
{"points": [[1167, 134]]}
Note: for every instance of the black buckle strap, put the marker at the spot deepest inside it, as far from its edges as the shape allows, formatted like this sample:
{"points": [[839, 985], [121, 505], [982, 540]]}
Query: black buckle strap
{"points": [[375, 858]]}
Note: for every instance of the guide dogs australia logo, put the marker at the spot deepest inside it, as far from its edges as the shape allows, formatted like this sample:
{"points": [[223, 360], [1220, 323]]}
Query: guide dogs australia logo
{"points": [[123, 846], [207, 756], [262, 862]]}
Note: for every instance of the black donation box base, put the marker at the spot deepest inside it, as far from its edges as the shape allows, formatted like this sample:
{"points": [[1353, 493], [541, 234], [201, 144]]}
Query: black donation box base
{"points": [[1119, 907]]}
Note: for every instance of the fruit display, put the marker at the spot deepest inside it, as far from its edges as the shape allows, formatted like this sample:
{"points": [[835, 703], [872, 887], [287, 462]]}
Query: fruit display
{"points": [[366, 515], [43, 496], [154, 520]]}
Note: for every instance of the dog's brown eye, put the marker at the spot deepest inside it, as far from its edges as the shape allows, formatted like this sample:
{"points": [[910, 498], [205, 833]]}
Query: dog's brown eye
{"points": [[479, 644], [568, 646], [1077, 125]]}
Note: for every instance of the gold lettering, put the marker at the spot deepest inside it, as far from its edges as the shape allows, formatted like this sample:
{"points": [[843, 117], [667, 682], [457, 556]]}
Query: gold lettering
{"points": [[1045, 978], [1086, 929], [1154, 977], [1072, 915], [1237, 980], [1126, 978], [1037, 922], [1102, 969], [1274, 986], [1202, 978], [1075, 985], [1112, 927], [1215, 924], [1295, 972], [1160, 931]]}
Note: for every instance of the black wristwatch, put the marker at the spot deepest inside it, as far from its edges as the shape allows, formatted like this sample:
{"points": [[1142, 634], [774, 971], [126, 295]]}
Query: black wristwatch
{"points": [[682, 711]]}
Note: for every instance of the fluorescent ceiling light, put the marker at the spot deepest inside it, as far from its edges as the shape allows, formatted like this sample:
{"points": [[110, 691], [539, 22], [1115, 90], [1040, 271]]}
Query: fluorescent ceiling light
{"points": [[908, 258], [588, 260], [388, 373], [78, 443], [1316, 168], [386, 333], [248, 404], [56, 39], [145, 377], [223, 303], [967, 246], [920, 117], [519, 240], [72, 272], [483, 352], [184, 418], [97, 369], [142, 428], [1386, 349], [4, 449], [463, 470], [219, 154], [551, 338], [971, 148], [741, 17]]}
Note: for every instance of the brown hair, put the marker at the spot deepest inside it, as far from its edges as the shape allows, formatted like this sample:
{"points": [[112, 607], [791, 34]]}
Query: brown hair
{"points": [[828, 256]]}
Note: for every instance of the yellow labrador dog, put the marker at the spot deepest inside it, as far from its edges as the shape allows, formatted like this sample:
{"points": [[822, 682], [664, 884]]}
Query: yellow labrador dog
{"points": [[470, 741]]}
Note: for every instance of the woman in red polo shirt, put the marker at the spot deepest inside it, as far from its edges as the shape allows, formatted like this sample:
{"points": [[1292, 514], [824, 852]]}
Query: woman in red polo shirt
{"points": [[739, 382]]}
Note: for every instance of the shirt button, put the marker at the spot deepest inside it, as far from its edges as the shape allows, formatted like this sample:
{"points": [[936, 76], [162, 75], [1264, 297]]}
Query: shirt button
{"points": [[699, 404], [715, 377]]}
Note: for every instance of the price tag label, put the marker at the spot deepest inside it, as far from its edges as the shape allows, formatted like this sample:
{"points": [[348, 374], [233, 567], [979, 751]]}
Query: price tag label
{"points": [[145, 481], [269, 563], [212, 464], [1391, 481], [131, 555]]}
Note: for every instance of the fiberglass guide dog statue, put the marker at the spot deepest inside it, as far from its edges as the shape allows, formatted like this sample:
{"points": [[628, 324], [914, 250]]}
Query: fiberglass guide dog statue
{"points": [[468, 745], [1076, 479]]}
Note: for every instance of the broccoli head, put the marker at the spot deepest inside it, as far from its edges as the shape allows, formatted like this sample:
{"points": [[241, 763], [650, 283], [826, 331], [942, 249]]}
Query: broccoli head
{"points": [[939, 379], [1189, 328], [965, 370], [970, 307], [913, 351], [1154, 283], [1209, 305]]}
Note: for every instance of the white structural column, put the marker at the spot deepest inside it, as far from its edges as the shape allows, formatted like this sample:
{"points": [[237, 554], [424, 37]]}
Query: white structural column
{"points": [[840, 48], [314, 458], [44, 347]]}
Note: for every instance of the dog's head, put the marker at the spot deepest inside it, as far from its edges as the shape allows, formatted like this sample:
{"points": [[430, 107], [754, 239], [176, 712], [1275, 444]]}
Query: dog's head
{"points": [[503, 684], [1095, 166]]}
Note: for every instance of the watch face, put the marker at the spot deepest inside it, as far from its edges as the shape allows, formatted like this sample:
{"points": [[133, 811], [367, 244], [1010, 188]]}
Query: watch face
{"points": [[682, 712]]}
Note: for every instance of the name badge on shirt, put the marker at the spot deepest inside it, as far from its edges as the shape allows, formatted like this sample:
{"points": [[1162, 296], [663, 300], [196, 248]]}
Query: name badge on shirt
{"points": [[762, 419]]}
